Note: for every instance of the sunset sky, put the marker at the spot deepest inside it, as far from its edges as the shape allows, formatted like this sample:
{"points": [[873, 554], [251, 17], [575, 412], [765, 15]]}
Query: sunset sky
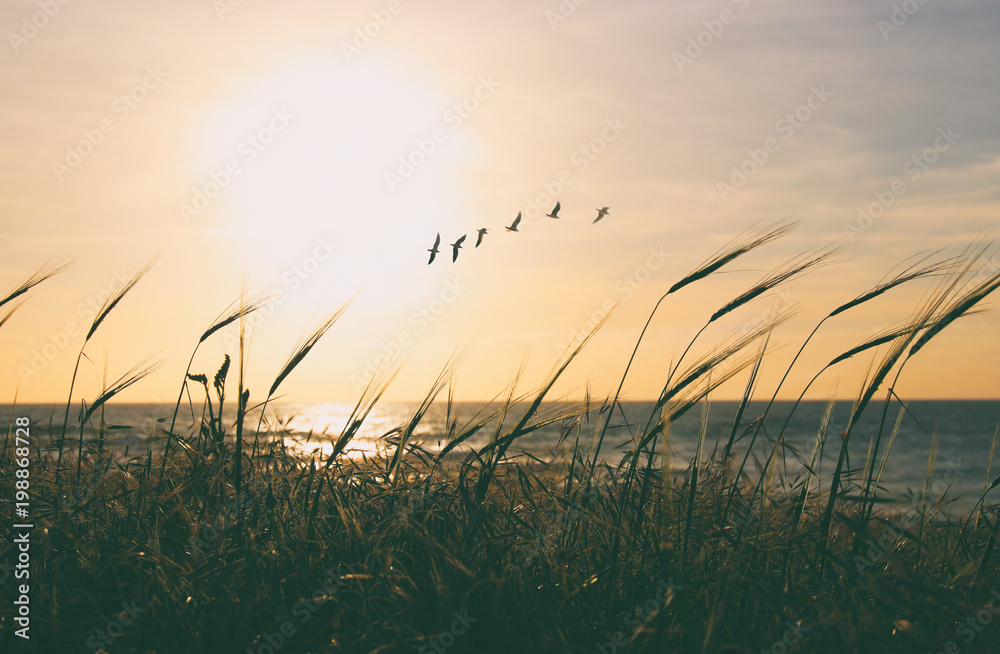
{"points": [[315, 150]]}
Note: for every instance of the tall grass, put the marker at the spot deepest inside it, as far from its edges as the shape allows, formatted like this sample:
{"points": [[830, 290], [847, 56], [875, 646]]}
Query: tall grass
{"points": [[234, 313], [45, 272], [118, 292], [222, 545]]}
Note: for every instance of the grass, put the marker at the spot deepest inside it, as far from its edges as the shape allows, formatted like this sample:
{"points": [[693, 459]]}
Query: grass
{"points": [[224, 547]]}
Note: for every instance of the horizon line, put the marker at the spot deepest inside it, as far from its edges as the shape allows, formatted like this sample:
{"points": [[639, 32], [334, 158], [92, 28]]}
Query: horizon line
{"points": [[564, 401]]}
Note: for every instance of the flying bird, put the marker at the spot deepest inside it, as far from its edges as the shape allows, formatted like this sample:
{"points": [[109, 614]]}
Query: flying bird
{"points": [[482, 232], [434, 250], [601, 213], [513, 226], [456, 247], [555, 212]]}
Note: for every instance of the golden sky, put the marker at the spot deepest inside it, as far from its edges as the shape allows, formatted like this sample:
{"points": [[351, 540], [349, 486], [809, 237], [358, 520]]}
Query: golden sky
{"points": [[315, 150]]}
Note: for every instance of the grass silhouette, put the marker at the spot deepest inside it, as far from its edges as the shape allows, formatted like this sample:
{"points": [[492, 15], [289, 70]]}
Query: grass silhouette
{"points": [[226, 548]]}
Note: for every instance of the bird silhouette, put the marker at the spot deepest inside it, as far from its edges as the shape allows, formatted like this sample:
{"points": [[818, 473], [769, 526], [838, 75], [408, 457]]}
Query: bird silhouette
{"points": [[482, 232], [513, 226], [434, 250], [555, 212], [601, 213], [457, 245]]}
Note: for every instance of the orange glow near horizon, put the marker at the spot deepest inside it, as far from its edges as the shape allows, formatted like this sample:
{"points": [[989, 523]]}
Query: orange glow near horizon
{"points": [[317, 166]]}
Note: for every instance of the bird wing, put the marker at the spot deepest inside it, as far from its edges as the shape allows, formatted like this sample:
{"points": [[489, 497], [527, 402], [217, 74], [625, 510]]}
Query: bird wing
{"points": [[556, 210], [431, 260], [517, 220], [480, 239], [604, 210], [437, 241], [459, 241]]}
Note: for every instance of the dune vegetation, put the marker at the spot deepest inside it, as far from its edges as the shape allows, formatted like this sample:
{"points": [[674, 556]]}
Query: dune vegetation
{"points": [[221, 539]]}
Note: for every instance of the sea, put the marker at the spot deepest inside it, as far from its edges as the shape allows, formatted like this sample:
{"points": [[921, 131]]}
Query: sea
{"points": [[964, 432]]}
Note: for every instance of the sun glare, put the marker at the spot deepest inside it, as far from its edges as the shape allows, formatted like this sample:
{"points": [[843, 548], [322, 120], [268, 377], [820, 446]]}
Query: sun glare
{"points": [[317, 185]]}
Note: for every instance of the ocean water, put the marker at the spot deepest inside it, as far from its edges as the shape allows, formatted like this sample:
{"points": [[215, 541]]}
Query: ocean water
{"points": [[965, 432]]}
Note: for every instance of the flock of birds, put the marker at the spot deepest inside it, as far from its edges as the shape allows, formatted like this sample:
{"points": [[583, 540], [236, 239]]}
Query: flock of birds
{"points": [[457, 245]]}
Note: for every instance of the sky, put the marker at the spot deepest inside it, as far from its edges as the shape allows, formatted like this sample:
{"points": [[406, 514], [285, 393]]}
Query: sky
{"points": [[312, 151]]}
